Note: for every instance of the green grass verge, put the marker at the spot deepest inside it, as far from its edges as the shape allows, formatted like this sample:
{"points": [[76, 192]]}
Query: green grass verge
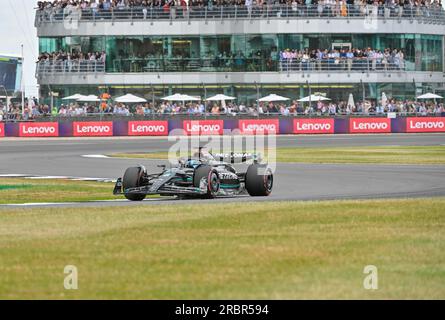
{"points": [[374, 155], [18, 190], [282, 250]]}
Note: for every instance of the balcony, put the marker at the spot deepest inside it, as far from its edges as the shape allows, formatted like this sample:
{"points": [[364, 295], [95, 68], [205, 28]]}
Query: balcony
{"points": [[156, 65], [201, 71], [235, 19], [275, 11], [46, 68]]}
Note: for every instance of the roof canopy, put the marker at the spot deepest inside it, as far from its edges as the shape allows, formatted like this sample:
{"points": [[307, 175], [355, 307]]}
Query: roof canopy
{"points": [[429, 95], [180, 97], [130, 98], [76, 96], [220, 97], [313, 97], [90, 98], [272, 98]]}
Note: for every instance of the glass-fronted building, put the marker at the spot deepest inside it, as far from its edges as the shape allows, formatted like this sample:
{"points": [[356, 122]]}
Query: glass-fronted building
{"points": [[10, 74], [230, 51]]}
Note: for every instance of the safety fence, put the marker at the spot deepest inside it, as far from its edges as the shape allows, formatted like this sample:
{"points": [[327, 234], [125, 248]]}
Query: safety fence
{"points": [[288, 65], [427, 14], [181, 126], [65, 66]]}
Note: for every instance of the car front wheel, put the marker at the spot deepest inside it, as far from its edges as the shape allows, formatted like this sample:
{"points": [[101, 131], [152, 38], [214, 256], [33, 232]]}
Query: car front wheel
{"points": [[132, 179], [259, 180]]}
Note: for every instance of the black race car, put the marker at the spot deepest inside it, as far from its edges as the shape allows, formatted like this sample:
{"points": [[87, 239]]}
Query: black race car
{"points": [[203, 176]]}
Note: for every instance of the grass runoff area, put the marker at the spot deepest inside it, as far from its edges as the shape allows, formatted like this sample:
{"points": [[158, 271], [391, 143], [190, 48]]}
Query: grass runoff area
{"points": [[20, 190], [372, 155], [282, 250]]}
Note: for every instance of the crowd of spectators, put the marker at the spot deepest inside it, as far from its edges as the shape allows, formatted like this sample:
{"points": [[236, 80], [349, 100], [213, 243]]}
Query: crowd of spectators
{"points": [[285, 60], [293, 108], [297, 7], [344, 59], [71, 62], [121, 4], [35, 110]]}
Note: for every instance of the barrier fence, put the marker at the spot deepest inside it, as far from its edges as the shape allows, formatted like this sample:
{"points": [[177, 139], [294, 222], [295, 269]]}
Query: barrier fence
{"points": [[141, 65], [428, 14], [180, 126]]}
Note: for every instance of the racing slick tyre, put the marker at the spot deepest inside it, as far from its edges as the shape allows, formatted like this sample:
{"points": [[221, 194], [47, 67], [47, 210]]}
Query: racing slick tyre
{"points": [[213, 182], [132, 179], [259, 180]]}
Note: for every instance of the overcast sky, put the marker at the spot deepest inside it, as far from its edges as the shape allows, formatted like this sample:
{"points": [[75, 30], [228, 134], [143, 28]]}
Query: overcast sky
{"points": [[16, 28]]}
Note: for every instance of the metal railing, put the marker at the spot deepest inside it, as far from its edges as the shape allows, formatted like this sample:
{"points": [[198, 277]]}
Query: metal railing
{"points": [[429, 14], [65, 66], [208, 115], [341, 65], [49, 67]]}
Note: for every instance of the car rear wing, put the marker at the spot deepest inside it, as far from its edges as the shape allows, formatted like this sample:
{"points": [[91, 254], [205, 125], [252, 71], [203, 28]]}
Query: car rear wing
{"points": [[235, 157]]}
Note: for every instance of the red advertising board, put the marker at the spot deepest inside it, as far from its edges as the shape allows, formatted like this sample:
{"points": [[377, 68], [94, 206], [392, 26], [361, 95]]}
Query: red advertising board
{"points": [[259, 126], [428, 124], [39, 129], [203, 127], [93, 129], [369, 125], [2, 129], [311, 126], [148, 128]]}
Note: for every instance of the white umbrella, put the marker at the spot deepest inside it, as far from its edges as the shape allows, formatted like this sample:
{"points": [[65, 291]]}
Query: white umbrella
{"points": [[129, 98], [351, 102], [429, 95], [90, 98], [313, 98], [180, 97], [273, 97], [220, 97], [384, 99], [76, 96]]}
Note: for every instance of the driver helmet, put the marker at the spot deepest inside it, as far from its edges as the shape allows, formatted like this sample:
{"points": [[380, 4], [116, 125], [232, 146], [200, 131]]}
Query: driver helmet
{"points": [[192, 164]]}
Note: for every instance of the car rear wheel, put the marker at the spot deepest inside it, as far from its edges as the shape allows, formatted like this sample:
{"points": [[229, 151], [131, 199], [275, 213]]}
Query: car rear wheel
{"points": [[259, 180], [213, 182], [132, 179]]}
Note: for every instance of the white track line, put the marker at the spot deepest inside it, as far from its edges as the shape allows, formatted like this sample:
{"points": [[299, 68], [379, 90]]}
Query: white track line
{"points": [[37, 177], [13, 175], [95, 156], [47, 177], [16, 175], [39, 204]]}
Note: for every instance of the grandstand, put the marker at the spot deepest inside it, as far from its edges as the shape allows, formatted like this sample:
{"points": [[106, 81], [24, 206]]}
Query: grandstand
{"points": [[246, 51]]}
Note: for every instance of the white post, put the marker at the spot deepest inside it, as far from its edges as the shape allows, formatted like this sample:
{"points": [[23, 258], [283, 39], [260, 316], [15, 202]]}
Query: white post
{"points": [[23, 83]]}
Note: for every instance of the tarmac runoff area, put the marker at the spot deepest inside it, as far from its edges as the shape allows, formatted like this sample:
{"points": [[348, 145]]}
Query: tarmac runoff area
{"points": [[66, 158]]}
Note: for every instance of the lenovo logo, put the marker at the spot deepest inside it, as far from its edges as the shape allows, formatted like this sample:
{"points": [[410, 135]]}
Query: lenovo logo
{"points": [[429, 124], [263, 126], [369, 125], [204, 127], [92, 129], [311, 126], [39, 129], [148, 128], [2, 129]]}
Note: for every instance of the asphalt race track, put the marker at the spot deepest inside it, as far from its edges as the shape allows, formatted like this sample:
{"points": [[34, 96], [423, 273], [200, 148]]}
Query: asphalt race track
{"points": [[64, 157]]}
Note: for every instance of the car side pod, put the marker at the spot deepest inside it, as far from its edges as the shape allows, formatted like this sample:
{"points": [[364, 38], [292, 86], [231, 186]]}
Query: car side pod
{"points": [[118, 187]]}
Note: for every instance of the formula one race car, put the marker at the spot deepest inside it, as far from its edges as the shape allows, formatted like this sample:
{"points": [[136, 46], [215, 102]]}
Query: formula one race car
{"points": [[203, 176]]}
